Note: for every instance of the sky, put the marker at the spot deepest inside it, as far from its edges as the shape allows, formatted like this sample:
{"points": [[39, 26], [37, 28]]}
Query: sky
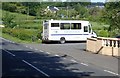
{"points": [[97, 0]]}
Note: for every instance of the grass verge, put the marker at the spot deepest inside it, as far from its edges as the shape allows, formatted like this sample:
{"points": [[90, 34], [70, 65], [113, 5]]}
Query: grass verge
{"points": [[6, 36]]}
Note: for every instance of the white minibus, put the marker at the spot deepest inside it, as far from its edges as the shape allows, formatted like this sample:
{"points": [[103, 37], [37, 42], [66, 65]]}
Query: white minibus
{"points": [[66, 30]]}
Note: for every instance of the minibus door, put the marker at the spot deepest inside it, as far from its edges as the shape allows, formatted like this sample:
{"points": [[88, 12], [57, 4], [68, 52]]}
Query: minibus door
{"points": [[85, 32]]}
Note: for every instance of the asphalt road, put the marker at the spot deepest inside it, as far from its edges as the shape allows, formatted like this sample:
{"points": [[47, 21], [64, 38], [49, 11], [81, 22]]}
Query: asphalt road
{"points": [[77, 51], [19, 60]]}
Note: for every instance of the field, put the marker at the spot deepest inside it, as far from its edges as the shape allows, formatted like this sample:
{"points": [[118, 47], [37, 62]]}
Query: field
{"points": [[23, 20], [26, 28]]}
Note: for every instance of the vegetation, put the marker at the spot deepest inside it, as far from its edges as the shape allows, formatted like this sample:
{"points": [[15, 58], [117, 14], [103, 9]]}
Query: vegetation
{"points": [[23, 20], [112, 15]]}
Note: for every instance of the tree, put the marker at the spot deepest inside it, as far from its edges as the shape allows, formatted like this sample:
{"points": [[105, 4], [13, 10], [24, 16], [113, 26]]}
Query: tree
{"points": [[81, 10], [113, 17], [95, 13], [9, 6]]}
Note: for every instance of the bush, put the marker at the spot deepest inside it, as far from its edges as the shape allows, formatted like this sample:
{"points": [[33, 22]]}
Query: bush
{"points": [[39, 35], [24, 35], [103, 33]]}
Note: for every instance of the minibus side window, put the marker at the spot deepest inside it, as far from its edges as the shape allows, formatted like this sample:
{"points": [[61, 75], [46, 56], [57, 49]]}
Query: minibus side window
{"points": [[54, 24], [75, 25], [64, 26]]}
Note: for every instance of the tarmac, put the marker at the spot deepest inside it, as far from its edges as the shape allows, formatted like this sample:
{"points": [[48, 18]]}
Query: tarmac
{"points": [[109, 63]]}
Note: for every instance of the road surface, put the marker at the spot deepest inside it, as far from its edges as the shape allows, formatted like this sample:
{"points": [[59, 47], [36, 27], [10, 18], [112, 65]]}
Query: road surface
{"points": [[19, 60]]}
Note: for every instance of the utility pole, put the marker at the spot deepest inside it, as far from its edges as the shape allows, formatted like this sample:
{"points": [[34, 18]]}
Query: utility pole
{"points": [[67, 11]]}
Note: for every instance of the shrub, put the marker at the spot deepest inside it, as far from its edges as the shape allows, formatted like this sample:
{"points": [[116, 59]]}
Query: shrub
{"points": [[103, 33]]}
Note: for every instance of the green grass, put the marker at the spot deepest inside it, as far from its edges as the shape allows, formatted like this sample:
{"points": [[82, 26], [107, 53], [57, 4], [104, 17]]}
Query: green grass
{"points": [[15, 39], [6, 36], [0, 13], [23, 20], [29, 23], [18, 40], [19, 16], [0, 32]]}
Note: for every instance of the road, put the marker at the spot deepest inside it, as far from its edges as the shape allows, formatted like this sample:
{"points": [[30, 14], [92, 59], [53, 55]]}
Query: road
{"points": [[19, 60], [77, 51]]}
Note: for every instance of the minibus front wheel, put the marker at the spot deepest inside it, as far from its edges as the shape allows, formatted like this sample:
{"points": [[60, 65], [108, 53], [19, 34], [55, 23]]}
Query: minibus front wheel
{"points": [[62, 40]]}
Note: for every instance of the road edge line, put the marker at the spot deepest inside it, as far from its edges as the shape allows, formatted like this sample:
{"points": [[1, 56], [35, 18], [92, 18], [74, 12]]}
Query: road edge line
{"points": [[35, 68]]}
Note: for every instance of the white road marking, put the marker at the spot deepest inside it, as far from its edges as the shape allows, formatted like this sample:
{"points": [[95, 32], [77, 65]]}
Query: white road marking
{"points": [[47, 52], [73, 60], [64, 58], [36, 49], [84, 64], [26, 46], [31, 48], [5, 39], [35, 68], [57, 55], [9, 53], [13, 42], [41, 51], [111, 72]]}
